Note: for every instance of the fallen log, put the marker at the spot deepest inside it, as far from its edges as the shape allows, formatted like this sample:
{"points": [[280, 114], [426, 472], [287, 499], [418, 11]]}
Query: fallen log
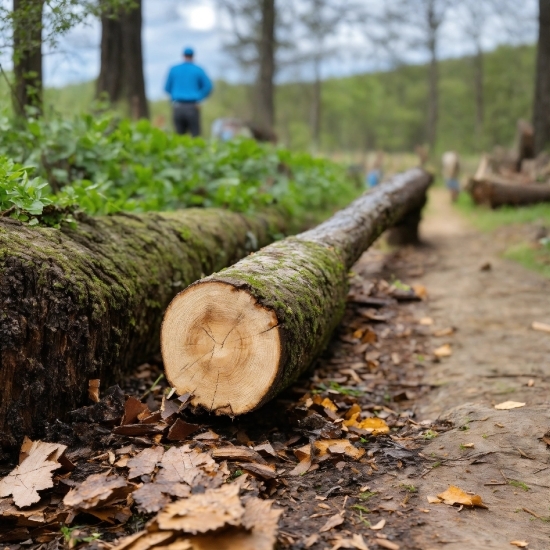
{"points": [[87, 302], [496, 192], [235, 339]]}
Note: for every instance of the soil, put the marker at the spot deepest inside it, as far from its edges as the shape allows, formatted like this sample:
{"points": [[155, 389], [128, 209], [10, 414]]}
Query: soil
{"points": [[443, 427]]}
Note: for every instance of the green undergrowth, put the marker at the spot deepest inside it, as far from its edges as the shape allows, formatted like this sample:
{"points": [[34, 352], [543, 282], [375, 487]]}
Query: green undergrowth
{"points": [[534, 255], [98, 163]]}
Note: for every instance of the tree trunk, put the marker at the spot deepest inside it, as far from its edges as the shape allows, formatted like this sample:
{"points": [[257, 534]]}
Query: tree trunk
{"points": [[316, 107], [479, 92], [86, 303], [27, 55], [264, 103], [541, 113], [235, 339], [495, 194], [433, 94], [121, 74]]}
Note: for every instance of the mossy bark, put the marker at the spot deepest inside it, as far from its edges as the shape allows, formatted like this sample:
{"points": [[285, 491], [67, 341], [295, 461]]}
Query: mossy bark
{"points": [[84, 303], [304, 279]]}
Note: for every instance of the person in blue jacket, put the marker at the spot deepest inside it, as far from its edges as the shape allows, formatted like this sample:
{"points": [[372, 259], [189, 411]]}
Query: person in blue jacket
{"points": [[188, 85]]}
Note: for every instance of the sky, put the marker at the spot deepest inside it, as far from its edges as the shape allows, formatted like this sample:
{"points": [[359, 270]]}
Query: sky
{"points": [[170, 25]]}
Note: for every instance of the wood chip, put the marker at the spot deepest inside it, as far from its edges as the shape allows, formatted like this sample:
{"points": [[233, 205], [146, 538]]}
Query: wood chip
{"points": [[238, 454], [134, 430], [132, 408], [443, 351], [263, 471], [302, 467], [541, 327], [338, 446], [93, 390], [519, 543], [207, 436], [378, 526], [181, 430], [387, 544], [34, 473]]}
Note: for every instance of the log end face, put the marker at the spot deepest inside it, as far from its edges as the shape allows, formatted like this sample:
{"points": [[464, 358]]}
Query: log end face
{"points": [[219, 344]]}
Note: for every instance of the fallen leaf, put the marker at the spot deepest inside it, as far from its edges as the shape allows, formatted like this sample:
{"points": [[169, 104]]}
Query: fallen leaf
{"points": [[373, 424], [444, 332], [443, 351], [387, 544], [426, 321], [93, 390], [541, 327], [34, 473], [144, 540], [132, 408], [380, 525], [433, 500], [263, 471], [468, 446], [266, 449], [455, 495], [145, 462], [509, 405], [359, 542], [238, 454], [420, 291], [519, 543], [331, 523], [200, 513], [207, 436], [302, 467], [181, 430], [338, 446], [311, 540], [96, 491], [303, 452]]}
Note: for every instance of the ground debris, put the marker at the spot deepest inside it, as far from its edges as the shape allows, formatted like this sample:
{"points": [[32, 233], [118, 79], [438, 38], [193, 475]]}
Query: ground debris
{"points": [[455, 495]]}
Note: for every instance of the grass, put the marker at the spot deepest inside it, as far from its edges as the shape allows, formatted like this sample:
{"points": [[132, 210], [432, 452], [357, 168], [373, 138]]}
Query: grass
{"points": [[518, 484], [532, 256]]}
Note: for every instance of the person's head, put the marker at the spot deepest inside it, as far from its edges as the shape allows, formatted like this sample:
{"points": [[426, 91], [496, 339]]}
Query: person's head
{"points": [[188, 54]]}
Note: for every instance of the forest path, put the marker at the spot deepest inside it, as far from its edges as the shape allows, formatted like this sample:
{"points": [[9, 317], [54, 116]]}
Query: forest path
{"points": [[496, 357]]}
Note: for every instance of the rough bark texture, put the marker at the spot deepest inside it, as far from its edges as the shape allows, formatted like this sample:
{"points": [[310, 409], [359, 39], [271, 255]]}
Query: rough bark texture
{"points": [[86, 303], [541, 115], [496, 193], [121, 74], [304, 279], [27, 55]]}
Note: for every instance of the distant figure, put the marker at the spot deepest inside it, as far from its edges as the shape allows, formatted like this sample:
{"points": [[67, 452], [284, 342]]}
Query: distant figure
{"points": [[451, 168], [374, 175], [187, 85]]}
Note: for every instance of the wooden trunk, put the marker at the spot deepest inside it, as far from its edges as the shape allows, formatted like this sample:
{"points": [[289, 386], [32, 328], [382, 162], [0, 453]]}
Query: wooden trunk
{"points": [[495, 193], [237, 338], [86, 303]]}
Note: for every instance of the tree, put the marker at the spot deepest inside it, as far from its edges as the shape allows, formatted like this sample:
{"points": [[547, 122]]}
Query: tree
{"points": [[541, 112], [121, 74], [415, 26], [254, 44]]}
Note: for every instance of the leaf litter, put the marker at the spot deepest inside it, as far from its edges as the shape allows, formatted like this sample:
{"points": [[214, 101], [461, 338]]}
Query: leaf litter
{"points": [[159, 475]]}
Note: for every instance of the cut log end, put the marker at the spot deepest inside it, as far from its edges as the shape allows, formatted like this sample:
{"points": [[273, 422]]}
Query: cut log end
{"points": [[221, 346]]}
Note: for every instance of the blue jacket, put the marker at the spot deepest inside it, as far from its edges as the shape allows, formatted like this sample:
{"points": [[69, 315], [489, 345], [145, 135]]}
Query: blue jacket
{"points": [[188, 82]]}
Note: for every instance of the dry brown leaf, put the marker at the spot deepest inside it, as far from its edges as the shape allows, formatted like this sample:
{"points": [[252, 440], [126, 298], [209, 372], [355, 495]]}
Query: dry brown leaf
{"points": [[387, 544], [373, 424], [541, 327], [31, 517], [507, 405], [426, 321], [455, 495], [444, 332], [266, 449], [34, 473], [338, 446], [420, 291], [331, 523], [97, 491], [183, 464], [311, 540], [519, 543], [238, 453], [209, 511], [303, 453], [145, 462], [359, 542], [443, 351], [143, 540], [433, 500], [207, 436], [93, 390], [468, 446], [380, 525]]}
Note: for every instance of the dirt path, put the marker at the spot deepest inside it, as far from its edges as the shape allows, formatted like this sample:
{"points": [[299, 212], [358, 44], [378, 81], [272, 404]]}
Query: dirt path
{"points": [[496, 357]]}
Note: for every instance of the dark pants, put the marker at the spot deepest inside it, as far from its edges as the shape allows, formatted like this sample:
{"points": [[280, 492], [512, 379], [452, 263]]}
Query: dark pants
{"points": [[187, 118]]}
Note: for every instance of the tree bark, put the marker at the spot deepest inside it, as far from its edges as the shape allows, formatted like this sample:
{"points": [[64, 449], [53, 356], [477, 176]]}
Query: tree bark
{"points": [[27, 55], [237, 338], [121, 74], [86, 303], [541, 112], [264, 103]]}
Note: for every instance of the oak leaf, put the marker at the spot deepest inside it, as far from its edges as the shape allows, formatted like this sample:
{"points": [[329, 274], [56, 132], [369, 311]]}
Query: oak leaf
{"points": [[455, 495]]}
